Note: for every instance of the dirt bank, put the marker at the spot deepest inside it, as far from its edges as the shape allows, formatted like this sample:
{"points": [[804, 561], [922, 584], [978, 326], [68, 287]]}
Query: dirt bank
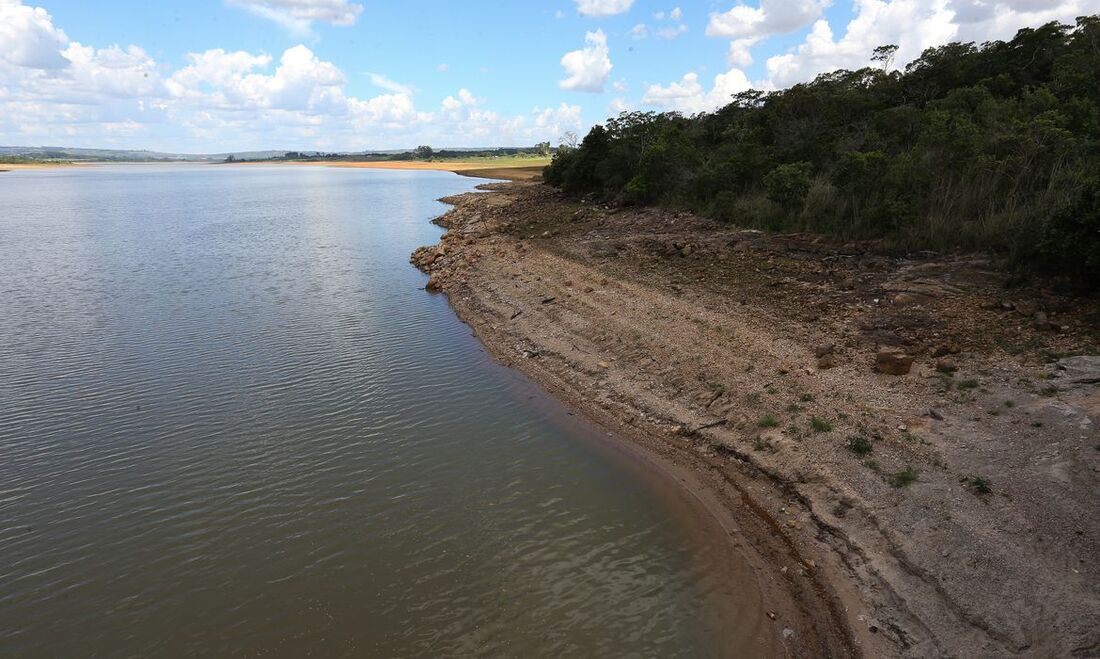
{"points": [[946, 511]]}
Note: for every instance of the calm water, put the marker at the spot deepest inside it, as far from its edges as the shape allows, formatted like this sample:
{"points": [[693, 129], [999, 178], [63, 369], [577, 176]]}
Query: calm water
{"points": [[232, 423]]}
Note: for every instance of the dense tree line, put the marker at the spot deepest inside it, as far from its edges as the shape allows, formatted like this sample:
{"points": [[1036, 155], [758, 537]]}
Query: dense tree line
{"points": [[993, 146]]}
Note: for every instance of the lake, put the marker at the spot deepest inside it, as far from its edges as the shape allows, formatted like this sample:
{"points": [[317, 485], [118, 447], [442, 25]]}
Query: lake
{"points": [[232, 422]]}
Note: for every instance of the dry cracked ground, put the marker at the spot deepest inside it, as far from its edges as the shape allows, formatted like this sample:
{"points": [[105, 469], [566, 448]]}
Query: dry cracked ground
{"points": [[921, 431]]}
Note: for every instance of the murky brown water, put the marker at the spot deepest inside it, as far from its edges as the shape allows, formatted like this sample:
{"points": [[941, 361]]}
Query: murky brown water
{"points": [[231, 423]]}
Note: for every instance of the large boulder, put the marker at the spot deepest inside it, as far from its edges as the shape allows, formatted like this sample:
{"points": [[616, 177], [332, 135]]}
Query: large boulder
{"points": [[893, 362]]}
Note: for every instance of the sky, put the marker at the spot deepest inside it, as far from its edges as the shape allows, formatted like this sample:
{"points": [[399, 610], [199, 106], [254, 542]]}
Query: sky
{"points": [[209, 76]]}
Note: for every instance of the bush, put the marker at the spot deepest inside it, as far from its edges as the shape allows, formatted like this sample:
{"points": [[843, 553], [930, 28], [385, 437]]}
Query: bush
{"points": [[1070, 243], [788, 184]]}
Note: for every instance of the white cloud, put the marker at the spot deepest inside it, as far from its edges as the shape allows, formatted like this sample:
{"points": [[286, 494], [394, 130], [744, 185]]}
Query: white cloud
{"points": [[642, 31], [379, 80], [771, 17], [298, 15], [69, 93], [443, 67], [740, 54], [28, 37], [603, 7], [672, 31], [689, 96], [587, 69]]}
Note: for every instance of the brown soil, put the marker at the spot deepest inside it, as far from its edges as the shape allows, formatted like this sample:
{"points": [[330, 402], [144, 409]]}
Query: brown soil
{"points": [[747, 360]]}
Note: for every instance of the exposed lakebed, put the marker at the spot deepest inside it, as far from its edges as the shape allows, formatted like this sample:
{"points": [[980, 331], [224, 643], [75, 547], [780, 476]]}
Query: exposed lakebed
{"points": [[230, 422]]}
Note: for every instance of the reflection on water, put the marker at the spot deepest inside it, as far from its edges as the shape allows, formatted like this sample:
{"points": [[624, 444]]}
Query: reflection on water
{"points": [[230, 421]]}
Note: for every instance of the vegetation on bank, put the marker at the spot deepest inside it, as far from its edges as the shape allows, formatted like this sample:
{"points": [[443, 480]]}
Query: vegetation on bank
{"points": [[992, 147]]}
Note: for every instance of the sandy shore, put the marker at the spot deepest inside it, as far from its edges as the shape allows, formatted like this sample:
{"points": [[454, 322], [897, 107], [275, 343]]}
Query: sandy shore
{"points": [[5, 167], [508, 172], [949, 511]]}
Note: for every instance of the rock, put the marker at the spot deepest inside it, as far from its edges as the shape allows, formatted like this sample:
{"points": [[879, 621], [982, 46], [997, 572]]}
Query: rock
{"points": [[1078, 371], [434, 284], [826, 362], [945, 349], [1025, 308], [788, 633], [824, 349], [893, 362], [905, 298], [1042, 322], [946, 366], [588, 289], [603, 365]]}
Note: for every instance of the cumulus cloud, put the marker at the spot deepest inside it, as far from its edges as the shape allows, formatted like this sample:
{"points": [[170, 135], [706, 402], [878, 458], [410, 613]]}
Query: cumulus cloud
{"points": [[28, 37], [587, 69], [603, 7], [299, 15], [689, 96], [771, 17], [54, 90]]}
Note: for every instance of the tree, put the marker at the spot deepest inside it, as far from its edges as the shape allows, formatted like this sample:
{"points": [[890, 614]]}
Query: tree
{"points": [[884, 55], [568, 140], [543, 149], [424, 152]]}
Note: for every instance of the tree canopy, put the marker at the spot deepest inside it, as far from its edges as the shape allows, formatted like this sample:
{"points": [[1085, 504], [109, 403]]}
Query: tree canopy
{"points": [[993, 146]]}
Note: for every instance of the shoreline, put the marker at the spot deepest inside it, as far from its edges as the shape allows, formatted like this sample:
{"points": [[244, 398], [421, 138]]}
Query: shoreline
{"points": [[507, 172], [635, 331]]}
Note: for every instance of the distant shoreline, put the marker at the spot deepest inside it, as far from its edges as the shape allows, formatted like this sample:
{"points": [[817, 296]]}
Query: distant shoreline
{"points": [[509, 172], [9, 166]]}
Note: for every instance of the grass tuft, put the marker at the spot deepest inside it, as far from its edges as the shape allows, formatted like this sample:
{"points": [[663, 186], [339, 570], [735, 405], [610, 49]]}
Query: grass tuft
{"points": [[904, 478], [859, 445]]}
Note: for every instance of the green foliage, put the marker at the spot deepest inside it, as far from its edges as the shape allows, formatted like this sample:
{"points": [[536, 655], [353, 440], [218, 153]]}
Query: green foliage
{"points": [[788, 184], [821, 425], [768, 422], [993, 147], [859, 445]]}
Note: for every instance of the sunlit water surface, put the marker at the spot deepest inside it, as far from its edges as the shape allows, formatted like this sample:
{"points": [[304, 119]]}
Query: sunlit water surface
{"points": [[232, 422]]}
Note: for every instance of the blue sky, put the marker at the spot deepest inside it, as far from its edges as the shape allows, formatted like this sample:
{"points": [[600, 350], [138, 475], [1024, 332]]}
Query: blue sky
{"points": [[218, 75]]}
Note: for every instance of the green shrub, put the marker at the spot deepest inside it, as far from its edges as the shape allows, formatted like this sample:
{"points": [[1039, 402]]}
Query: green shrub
{"points": [[859, 445]]}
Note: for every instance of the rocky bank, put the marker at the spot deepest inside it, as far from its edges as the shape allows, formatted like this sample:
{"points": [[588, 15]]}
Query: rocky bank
{"points": [[907, 448]]}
